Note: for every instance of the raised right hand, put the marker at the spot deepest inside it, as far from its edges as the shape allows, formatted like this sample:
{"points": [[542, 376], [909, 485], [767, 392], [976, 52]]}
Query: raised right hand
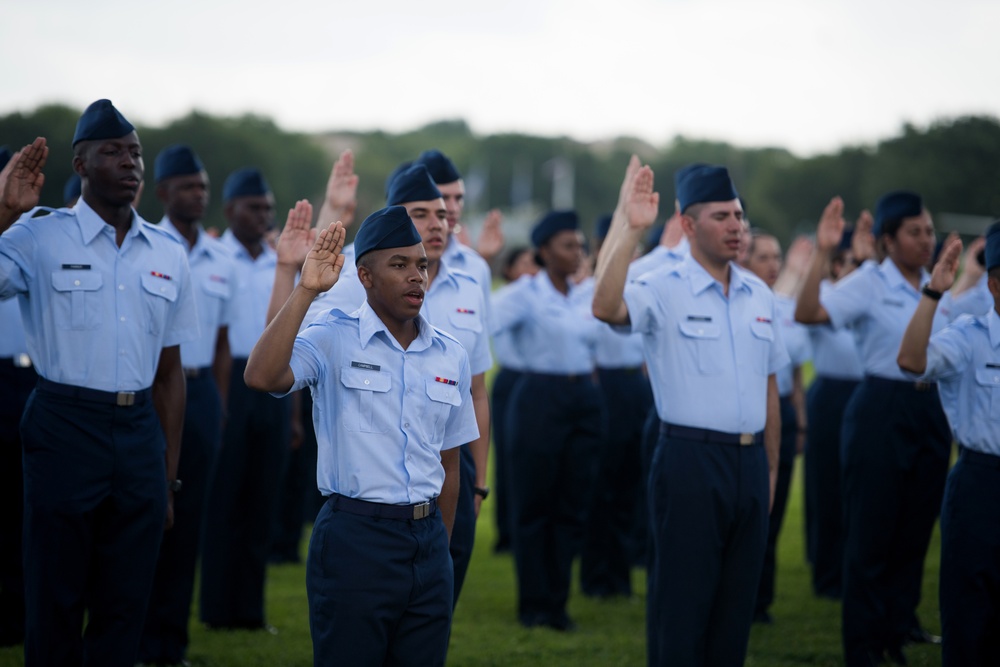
{"points": [[831, 226], [322, 266]]}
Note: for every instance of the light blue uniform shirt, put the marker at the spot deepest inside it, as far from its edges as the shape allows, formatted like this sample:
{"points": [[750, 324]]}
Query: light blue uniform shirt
{"points": [[974, 301], [835, 352], [383, 414], [708, 356], [213, 274], [964, 358], [613, 349], [796, 340], [13, 344], [462, 257], [96, 315], [255, 278], [877, 302], [506, 344], [557, 332], [453, 303], [658, 257]]}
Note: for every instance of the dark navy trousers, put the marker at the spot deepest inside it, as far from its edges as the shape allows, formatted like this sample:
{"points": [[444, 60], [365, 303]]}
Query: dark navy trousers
{"points": [[826, 401], [786, 463], [896, 447], [606, 559], [15, 387], [165, 634], [380, 590], [708, 507], [298, 499], [556, 424], [970, 561], [503, 384], [95, 504], [463, 532], [242, 498]]}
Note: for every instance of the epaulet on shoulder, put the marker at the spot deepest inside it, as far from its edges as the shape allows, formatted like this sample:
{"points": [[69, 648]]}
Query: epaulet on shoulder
{"points": [[751, 277], [445, 334], [46, 212], [150, 227], [462, 275]]}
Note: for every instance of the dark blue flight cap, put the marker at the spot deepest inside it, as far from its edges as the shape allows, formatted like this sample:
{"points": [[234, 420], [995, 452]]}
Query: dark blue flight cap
{"points": [[389, 227], [894, 206], [700, 183], [177, 160], [993, 246], [603, 226], [245, 182], [72, 189], [413, 184], [553, 223], [395, 172], [101, 120], [442, 169], [5, 156]]}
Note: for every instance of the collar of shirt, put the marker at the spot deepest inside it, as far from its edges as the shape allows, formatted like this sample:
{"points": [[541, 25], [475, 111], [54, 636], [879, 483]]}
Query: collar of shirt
{"points": [[241, 253], [700, 280], [201, 246], [544, 283], [92, 225], [369, 325], [892, 276]]}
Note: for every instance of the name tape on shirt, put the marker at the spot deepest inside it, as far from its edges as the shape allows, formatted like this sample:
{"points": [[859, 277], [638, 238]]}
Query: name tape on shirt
{"points": [[368, 367], [446, 381], [699, 318], [76, 267]]}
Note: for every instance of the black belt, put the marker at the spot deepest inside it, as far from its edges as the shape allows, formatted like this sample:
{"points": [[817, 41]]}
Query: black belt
{"points": [[571, 377], [195, 373], [122, 399], [979, 458], [915, 386], [708, 435], [381, 510], [17, 361], [621, 370]]}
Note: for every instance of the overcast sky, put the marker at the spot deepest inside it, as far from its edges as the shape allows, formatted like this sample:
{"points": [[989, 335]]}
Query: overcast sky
{"points": [[810, 76]]}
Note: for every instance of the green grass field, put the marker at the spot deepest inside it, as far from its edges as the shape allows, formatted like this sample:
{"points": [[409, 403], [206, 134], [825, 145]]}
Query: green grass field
{"points": [[806, 630]]}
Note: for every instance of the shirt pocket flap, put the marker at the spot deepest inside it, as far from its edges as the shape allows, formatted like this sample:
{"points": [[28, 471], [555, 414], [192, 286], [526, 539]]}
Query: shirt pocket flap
{"points": [[988, 377], [216, 289], [160, 287], [72, 281], [700, 329], [762, 330], [468, 321], [365, 380], [443, 393]]}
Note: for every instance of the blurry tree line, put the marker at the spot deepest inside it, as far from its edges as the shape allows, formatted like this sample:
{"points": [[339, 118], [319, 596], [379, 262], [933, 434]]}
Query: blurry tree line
{"points": [[953, 163]]}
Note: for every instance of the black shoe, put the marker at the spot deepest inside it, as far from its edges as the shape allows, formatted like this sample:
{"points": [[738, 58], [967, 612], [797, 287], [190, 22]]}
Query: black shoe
{"points": [[532, 620], [917, 635], [895, 655], [763, 617], [562, 622]]}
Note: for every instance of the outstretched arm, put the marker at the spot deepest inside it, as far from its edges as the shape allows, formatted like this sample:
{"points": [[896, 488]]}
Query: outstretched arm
{"points": [[635, 213], [341, 198], [296, 240], [808, 309], [268, 367], [913, 348], [21, 182]]}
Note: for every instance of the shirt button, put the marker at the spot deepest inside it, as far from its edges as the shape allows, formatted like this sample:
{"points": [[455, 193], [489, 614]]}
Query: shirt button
{"points": [[76, 282], [163, 289], [122, 318], [368, 382], [121, 288], [407, 425]]}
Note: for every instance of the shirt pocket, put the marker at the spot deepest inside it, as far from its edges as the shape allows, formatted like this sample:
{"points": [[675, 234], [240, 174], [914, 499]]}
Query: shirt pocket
{"points": [[988, 381], [762, 340], [704, 345], [367, 394], [443, 397], [158, 296], [77, 303]]}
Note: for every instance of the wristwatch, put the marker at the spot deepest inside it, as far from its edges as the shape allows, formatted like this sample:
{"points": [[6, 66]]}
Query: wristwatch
{"points": [[175, 485], [482, 491], [931, 293]]}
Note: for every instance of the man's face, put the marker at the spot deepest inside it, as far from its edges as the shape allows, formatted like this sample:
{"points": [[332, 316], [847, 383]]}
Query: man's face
{"points": [[716, 229], [394, 280], [185, 198], [765, 259], [112, 169], [431, 220], [250, 217], [454, 201]]}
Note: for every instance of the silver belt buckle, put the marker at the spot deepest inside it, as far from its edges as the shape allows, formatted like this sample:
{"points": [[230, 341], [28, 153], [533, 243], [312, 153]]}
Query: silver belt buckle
{"points": [[125, 399], [746, 439], [422, 511], [22, 361]]}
